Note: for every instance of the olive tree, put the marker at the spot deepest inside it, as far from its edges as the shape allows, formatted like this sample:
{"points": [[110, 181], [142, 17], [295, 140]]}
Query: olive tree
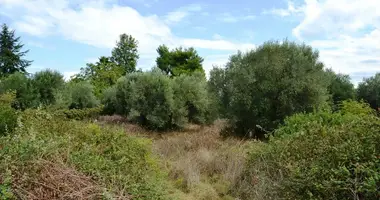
{"points": [[275, 80]]}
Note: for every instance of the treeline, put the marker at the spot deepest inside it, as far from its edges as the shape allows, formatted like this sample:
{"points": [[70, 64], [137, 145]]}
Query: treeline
{"points": [[255, 91]]}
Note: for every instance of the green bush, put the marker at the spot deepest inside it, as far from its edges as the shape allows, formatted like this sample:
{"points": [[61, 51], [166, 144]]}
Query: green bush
{"points": [[46, 83], [120, 164], [321, 155], [8, 115], [369, 91], [160, 102], [82, 96], [191, 92], [148, 99], [80, 114], [26, 94], [110, 101], [267, 84]]}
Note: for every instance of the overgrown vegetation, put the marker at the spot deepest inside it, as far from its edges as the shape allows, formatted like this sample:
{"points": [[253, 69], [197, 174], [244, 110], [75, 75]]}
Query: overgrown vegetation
{"points": [[162, 139], [320, 155]]}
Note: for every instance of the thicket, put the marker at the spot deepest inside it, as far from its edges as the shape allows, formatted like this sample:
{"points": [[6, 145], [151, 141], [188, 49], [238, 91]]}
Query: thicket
{"points": [[319, 155], [122, 166], [265, 85], [160, 102]]}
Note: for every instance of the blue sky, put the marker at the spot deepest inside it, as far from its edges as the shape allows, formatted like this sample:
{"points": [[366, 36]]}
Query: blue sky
{"points": [[66, 34]]}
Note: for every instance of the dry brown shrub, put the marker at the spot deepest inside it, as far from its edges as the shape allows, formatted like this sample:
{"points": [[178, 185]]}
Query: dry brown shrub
{"points": [[56, 181]]}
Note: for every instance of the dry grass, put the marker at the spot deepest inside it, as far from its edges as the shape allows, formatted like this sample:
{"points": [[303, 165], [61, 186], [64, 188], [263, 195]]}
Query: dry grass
{"points": [[57, 181], [199, 162]]}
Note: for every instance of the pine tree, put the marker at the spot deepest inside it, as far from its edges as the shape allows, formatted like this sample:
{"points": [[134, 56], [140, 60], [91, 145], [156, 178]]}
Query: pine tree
{"points": [[11, 54]]}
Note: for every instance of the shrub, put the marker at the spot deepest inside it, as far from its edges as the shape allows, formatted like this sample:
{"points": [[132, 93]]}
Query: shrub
{"points": [[26, 95], [82, 96], [191, 92], [271, 82], [80, 114], [148, 99], [110, 101], [8, 116], [321, 155], [47, 82], [159, 102], [369, 91], [122, 165]]}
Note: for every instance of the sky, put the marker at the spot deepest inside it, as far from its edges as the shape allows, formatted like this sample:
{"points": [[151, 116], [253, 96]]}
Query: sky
{"points": [[64, 35]]}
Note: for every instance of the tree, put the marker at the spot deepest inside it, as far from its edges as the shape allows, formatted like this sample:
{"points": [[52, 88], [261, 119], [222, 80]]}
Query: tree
{"points": [[47, 82], [369, 91], [82, 96], [125, 53], [272, 82], [11, 54], [340, 87], [178, 61], [26, 94], [101, 75], [217, 88]]}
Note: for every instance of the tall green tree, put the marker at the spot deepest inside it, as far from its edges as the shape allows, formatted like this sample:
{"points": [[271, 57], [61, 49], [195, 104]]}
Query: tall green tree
{"points": [[340, 87], [272, 82], [101, 74], [11, 53], [125, 53], [47, 83], [369, 91], [179, 61]]}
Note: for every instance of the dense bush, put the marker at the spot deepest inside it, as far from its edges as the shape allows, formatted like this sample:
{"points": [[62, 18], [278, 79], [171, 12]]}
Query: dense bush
{"points": [[159, 102], [369, 91], [271, 82], [26, 94], [8, 115], [47, 82], [191, 92], [82, 96], [80, 114], [340, 87], [123, 166], [110, 101], [321, 155]]}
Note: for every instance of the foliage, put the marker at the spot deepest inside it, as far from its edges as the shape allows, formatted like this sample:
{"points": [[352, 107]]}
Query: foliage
{"points": [[122, 164], [267, 84], [11, 54], [101, 75], [321, 155], [218, 89], [110, 101], [8, 116], [369, 91], [191, 92], [47, 82], [125, 54], [26, 95], [79, 114], [82, 96], [340, 87], [148, 99], [159, 102], [179, 61]]}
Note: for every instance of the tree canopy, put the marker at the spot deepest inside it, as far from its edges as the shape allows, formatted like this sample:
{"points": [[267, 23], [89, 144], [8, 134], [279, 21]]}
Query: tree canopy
{"points": [[125, 54], [265, 85], [11, 53], [178, 61], [369, 91]]}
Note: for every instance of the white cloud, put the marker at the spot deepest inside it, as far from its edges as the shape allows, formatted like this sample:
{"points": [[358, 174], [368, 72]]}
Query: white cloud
{"points": [[100, 22], [283, 12], [67, 75], [181, 13], [347, 32], [217, 37], [229, 18]]}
